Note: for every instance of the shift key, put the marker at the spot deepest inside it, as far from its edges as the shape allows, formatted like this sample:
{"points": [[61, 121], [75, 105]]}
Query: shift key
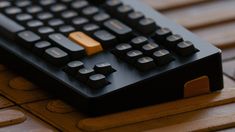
{"points": [[73, 49], [9, 27]]}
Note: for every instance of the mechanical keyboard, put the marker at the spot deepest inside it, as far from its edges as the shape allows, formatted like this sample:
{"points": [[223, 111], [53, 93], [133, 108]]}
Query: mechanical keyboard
{"points": [[106, 55]]}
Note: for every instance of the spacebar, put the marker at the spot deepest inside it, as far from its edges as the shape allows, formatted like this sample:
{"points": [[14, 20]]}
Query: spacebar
{"points": [[9, 27]]}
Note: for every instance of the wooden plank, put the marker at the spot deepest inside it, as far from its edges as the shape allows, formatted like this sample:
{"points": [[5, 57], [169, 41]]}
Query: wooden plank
{"points": [[157, 111], [229, 83], [170, 4], [204, 14], [31, 124], [14, 90], [224, 119], [221, 35], [228, 54], [64, 120], [206, 114]]}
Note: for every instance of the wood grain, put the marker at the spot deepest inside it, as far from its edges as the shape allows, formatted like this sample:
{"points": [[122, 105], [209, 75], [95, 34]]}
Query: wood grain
{"points": [[17, 95], [221, 35], [31, 124], [63, 121], [157, 111], [208, 124], [204, 14], [169, 4]]}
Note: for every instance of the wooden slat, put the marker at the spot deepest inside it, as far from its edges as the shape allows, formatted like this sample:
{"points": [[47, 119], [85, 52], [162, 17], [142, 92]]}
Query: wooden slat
{"points": [[221, 120], [204, 14], [221, 35], [157, 111], [228, 83], [169, 4]]}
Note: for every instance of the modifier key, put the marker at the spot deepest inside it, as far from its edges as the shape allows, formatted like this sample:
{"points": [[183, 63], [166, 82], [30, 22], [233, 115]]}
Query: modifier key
{"points": [[28, 38], [75, 50], [56, 56], [9, 27], [120, 29]]}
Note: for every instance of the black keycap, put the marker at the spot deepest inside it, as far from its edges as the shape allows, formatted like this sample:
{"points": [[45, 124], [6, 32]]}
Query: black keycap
{"points": [[55, 22], [122, 49], [185, 48], [40, 47], [111, 5], [75, 50], [69, 14], [56, 56], [133, 18], [73, 67], [28, 38], [84, 73], [44, 16], [90, 11], [23, 3], [66, 1], [90, 28], [33, 9], [123, 11], [101, 17], [119, 28], [66, 29], [161, 34], [79, 5], [79, 21], [133, 55], [162, 57], [45, 31], [147, 26], [97, 81], [58, 8], [173, 40], [34, 24], [23, 17], [149, 48], [4, 4], [104, 68], [107, 39], [139, 41], [9, 27], [47, 2], [145, 63], [12, 11]]}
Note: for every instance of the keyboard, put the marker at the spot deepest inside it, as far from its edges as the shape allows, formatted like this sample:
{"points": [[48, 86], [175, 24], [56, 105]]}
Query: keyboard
{"points": [[106, 55]]}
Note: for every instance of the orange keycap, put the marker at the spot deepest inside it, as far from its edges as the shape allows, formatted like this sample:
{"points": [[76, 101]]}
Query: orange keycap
{"points": [[91, 46]]}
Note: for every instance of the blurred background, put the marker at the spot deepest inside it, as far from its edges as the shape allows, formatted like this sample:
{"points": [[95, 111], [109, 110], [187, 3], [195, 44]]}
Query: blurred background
{"points": [[212, 20]]}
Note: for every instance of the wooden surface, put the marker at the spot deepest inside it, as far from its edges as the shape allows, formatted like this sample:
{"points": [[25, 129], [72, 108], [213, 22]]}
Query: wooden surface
{"points": [[213, 20]]}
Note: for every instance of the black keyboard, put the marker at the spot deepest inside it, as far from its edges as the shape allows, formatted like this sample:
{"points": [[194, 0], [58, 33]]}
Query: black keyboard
{"points": [[106, 55]]}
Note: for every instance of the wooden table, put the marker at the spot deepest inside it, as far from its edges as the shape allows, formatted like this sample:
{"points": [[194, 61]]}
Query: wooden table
{"points": [[25, 107]]}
